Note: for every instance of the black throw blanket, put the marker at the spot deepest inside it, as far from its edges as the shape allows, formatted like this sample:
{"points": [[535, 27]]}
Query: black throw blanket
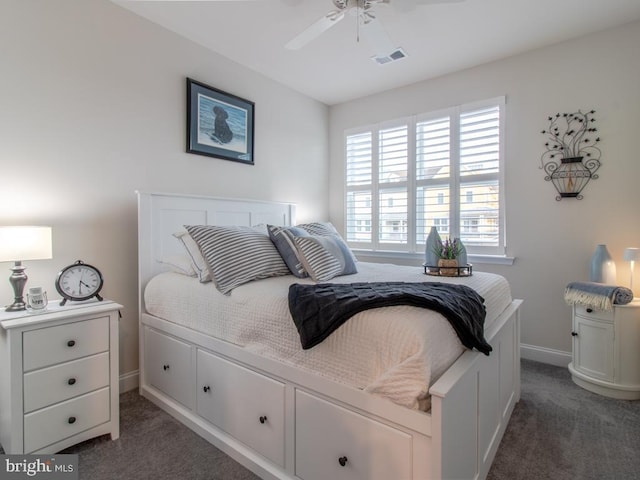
{"points": [[319, 309]]}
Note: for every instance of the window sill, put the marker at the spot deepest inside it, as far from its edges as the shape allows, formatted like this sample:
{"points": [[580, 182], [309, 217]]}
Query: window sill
{"points": [[404, 257]]}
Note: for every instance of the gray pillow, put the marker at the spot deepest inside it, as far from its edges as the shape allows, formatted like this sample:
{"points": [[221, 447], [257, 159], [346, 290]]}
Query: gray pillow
{"points": [[282, 238]]}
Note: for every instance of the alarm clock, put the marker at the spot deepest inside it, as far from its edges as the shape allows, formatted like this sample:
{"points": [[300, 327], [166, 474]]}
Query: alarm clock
{"points": [[78, 282]]}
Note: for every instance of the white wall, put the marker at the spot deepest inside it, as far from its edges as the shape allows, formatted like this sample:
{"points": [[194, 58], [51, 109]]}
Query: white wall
{"points": [[93, 106], [552, 241]]}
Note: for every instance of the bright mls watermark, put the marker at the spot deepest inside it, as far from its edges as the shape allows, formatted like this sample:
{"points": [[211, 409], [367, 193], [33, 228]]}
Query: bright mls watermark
{"points": [[49, 467]]}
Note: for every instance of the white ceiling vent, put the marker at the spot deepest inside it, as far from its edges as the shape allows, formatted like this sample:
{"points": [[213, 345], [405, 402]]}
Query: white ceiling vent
{"points": [[392, 57]]}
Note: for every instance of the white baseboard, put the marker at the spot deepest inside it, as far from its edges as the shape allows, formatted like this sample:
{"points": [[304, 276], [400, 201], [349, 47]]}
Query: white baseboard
{"points": [[545, 355], [129, 381]]}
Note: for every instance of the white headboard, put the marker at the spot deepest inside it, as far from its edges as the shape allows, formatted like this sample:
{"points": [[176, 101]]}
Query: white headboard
{"points": [[160, 215]]}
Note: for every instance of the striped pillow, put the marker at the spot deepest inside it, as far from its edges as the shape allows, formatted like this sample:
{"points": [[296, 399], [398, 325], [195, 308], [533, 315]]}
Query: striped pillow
{"points": [[237, 255], [324, 229], [325, 257], [319, 228]]}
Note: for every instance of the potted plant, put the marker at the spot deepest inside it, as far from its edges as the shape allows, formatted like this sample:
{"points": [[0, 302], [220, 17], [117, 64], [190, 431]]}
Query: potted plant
{"points": [[447, 253]]}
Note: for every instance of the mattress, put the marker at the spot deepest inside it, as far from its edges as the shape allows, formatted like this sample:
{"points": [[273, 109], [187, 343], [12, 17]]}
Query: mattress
{"points": [[395, 352]]}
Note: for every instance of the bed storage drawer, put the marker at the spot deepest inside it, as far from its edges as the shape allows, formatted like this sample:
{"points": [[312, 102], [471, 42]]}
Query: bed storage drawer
{"points": [[336, 443], [168, 365], [244, 403]]}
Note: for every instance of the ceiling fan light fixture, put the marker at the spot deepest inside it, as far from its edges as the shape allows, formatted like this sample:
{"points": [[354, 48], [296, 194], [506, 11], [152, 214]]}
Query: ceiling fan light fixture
{"points": [[397, 54]]}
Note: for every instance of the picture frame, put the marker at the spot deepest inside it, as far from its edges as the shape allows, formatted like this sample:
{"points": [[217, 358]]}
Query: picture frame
{"points": [[219, 124]]}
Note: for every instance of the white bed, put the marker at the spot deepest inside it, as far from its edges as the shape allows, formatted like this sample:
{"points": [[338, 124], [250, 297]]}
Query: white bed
{"points": [[285, 412]]}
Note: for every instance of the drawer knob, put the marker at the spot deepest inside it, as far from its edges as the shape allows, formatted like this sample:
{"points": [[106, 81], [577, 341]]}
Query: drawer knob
{"points": [[589, 310], [71, 420], [165, 367], [574, 334], [206, 388], [71, 381], [263, 419], [71, 343], [343, 461]]}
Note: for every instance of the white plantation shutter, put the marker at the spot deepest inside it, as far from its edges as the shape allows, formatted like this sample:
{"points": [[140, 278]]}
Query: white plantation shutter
{"points": [[359, 178], [393, 154], [359, 155], [480, 141], [433, 168], [479, 176], [443, 169]]}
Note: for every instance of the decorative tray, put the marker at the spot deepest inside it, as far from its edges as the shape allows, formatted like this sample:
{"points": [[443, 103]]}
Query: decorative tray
{"points": [[460, 271]]}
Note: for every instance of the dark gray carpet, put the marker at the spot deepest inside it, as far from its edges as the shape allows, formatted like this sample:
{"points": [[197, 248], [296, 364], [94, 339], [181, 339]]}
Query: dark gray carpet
{"points": [[154, 446], [558, 431]]}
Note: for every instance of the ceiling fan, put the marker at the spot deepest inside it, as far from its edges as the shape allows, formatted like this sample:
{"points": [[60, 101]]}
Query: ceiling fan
{"points": [[367, 23]]}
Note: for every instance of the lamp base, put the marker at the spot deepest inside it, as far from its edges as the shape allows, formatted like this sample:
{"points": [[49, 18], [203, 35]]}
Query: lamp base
{"points": [[18, 280], [16, 307]]}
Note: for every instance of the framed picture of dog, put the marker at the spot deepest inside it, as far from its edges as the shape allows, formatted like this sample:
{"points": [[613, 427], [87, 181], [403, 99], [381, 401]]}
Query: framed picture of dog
{"points": [[219, 124]]}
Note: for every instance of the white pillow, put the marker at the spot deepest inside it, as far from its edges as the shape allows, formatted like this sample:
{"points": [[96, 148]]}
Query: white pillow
{"points": [[197, 260], [179, 264]]}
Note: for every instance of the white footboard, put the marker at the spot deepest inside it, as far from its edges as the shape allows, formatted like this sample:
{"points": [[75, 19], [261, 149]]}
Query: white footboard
{"points": [[472, 402]]}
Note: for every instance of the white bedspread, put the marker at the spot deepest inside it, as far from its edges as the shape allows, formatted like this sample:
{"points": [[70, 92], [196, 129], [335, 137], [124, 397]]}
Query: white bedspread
{"points": [[395, 352]]}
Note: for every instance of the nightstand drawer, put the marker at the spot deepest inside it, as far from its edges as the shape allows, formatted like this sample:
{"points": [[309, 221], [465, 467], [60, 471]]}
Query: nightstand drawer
{"points": [[606, 315], [54, 384], [52, 424], [52, 345]]}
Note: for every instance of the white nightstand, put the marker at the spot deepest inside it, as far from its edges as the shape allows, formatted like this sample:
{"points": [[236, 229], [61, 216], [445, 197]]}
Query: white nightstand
{"points": [[58, 376], [606, 350]]}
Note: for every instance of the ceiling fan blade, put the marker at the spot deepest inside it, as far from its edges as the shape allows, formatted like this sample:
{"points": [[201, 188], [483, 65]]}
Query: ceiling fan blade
{"points": [[375, 34], [408, 5], [315, 30]]}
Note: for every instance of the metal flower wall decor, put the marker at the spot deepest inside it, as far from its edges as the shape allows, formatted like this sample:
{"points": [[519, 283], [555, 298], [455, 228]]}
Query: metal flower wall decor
{"points": [[571, 158]]}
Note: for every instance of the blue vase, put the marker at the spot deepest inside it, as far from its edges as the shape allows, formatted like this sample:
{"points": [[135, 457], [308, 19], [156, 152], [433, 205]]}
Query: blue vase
{"points": [[434, 242], [462, 256], [603, 268]]}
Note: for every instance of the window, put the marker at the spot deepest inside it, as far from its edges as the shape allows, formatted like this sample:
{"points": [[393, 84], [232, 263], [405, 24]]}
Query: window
{"points": [[442, 169], [469, 198]]}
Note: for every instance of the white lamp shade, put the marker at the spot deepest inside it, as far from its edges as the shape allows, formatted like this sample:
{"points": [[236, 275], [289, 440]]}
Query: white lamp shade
{"points": [[631, 254], [25, 243]]}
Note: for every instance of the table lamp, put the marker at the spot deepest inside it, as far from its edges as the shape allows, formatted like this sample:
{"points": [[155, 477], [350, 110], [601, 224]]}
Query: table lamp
{"points": [[18, 244], [631, 255]]}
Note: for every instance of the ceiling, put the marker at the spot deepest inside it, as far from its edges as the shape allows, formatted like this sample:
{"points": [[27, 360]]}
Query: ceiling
{"points": [[336, 67]]}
